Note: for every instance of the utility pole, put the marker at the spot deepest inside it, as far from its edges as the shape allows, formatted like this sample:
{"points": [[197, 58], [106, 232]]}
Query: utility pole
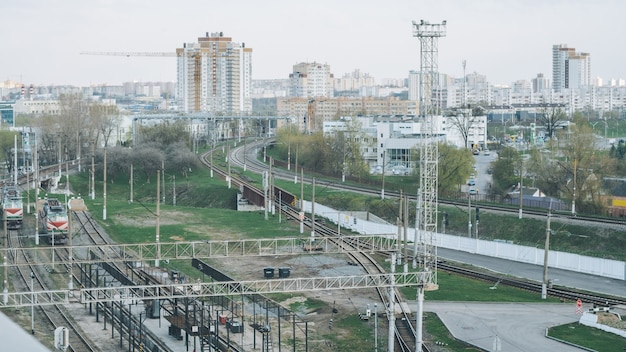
{"points": [[131, 181], [301, 196], [93, 171], [104, 187], [574, 191], [295, 177], [391, 309], [228, 163], [399, 226], [382, 190], [36, 168], [521, 187], [158, 220], [477, 221], [469, 215], [313, 212], [544, 284]]}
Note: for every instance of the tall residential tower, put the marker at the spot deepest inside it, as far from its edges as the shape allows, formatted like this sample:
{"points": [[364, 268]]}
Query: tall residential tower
{"points": [[214, 75], [569, 68]]}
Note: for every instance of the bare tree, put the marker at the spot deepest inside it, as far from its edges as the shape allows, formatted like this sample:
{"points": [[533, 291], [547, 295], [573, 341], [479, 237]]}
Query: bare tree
{"points": [[463, 123], [551, 117], [104, 119]]}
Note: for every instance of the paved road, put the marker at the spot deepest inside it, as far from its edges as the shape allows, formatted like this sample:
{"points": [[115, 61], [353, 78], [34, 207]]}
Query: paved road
{"points": [[517, 326], [483, 179]]}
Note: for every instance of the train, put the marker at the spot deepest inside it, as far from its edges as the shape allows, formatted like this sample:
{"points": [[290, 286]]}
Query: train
{"points": [[53, 221], [12, 207]]}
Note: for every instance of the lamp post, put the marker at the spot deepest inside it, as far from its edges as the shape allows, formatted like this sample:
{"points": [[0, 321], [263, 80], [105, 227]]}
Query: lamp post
{"points": [[521, 193], [375, 328], [574, 191], [104, 187], [544, 284], [32, 306], [469, 215]]}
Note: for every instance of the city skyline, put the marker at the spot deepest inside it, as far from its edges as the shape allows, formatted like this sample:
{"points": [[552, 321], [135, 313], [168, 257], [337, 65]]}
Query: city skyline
{"points": [[503, 40]]}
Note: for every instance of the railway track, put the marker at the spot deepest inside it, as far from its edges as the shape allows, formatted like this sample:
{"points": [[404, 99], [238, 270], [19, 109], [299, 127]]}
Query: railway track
{"points": [[257, 166], [55, 315], [128, 323], [404, 330], [254, 165], [562, 293], [150, 341]]}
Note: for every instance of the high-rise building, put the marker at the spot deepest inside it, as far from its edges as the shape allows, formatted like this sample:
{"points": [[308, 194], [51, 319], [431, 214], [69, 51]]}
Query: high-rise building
{"points": [[214, 75], [540, 83], [569, 68], [311, 80]]}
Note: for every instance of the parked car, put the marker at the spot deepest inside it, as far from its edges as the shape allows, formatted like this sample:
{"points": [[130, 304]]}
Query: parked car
{"points": [[473, 190], [471, 182], [486, 152]]}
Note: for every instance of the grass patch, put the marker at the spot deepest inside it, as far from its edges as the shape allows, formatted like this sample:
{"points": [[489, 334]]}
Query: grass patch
{"points": [[360, 338], [454, 287], [589, 337], [438, 334]]}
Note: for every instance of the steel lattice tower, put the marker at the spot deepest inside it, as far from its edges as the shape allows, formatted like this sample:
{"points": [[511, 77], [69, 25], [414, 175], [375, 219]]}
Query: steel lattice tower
{"points": [[428, 35]]}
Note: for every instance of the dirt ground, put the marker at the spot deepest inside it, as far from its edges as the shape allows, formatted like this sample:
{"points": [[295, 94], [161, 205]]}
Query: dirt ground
{"points": [[344, 302]]}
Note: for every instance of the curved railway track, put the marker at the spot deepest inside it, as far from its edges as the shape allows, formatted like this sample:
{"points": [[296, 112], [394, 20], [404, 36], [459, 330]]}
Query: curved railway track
{"points": [[404, 330], [88, 226], [254, 165]]}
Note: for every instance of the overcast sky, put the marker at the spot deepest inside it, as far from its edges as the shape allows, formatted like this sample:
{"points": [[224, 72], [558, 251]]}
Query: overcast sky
{"points": [[505, 40]]}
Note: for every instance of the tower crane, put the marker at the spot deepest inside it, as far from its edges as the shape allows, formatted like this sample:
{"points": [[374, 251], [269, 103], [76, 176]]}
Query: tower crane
{"points": [[129, 53]]}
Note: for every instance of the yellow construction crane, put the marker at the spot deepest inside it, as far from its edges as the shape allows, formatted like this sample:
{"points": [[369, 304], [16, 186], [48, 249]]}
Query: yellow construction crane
{"points": [[129, 53]]}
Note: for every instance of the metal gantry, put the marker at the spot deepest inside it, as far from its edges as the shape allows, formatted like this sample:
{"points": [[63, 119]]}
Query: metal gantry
{"points": [[145, 252], [430, 98], [209, 289]]}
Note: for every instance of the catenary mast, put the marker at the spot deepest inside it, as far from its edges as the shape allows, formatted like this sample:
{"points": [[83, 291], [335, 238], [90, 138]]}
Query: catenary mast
{"points": [[428, 35]]}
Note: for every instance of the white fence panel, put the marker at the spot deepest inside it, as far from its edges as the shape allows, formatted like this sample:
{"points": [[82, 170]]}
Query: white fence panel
{"points": [[560, 260]]}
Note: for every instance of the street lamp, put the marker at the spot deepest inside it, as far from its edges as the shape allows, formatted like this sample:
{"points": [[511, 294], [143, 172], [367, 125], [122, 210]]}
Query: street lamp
{"points": [[32, 306], [375, 328], [544, 284]]}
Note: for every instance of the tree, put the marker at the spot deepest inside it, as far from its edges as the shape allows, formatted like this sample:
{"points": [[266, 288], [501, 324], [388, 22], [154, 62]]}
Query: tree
{"points": [[464, 123], [455, 165], [117, 162], [506, 169], [163, 134], [551, 117], [148, 158], [104, 119], [180, 158], [7, 142], [583, 168]]}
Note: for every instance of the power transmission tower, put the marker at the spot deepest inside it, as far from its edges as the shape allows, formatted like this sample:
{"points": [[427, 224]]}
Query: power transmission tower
{"points": [[428, 35]]}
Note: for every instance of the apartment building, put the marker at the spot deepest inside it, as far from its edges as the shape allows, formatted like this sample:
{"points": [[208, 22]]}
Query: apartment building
{"points": [[214, 75]]}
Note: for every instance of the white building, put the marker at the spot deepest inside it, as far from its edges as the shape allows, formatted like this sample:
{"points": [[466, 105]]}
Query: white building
{"points": [[214, 75], [354, 81], [391, 141]]}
